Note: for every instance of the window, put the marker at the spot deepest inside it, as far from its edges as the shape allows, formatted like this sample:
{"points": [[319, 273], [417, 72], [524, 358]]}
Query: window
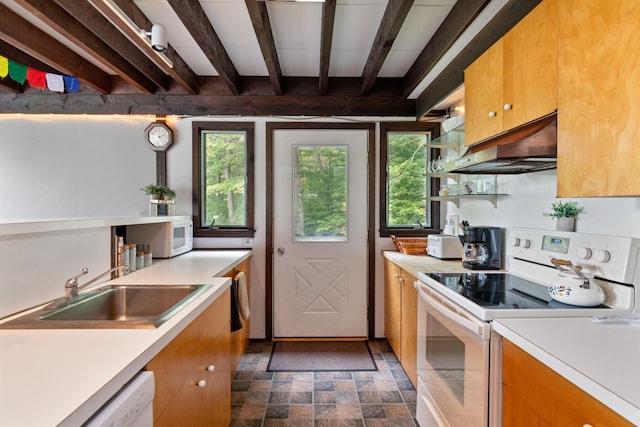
{"points": [[223, 179], [404, 184]]}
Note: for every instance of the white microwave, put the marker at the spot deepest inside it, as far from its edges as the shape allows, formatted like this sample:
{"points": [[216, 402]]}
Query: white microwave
{"points": [[166, 239]]}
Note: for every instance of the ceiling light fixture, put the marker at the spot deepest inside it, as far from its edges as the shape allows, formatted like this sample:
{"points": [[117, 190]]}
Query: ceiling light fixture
{"points": [[160, 38]]}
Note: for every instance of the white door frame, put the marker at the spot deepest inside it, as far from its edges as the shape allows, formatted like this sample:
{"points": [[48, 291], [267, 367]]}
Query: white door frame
{"points": [[371, 128]]}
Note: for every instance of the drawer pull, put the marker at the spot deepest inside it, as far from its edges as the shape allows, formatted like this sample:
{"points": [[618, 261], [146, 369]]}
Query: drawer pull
{"points": [[492, 114], [211, 368], [507, 107], [202, 383]]}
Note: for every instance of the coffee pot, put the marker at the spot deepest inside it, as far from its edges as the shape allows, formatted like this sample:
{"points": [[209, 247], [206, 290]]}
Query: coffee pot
{"points": [[481, 248]]}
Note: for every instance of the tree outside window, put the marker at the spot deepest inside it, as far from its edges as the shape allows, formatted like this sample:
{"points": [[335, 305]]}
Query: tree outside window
{"points": [[223, 179], [404, 183]]}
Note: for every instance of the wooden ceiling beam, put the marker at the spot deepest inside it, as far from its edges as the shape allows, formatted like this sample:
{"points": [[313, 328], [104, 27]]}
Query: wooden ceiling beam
{"points": [[197, 23], [452, 77], [181, 73], [58, 19], [458, 19], [100, 26], [262, 27], [392, 20], [16, 55], [36, 43], [328, 106], [326, 39]]}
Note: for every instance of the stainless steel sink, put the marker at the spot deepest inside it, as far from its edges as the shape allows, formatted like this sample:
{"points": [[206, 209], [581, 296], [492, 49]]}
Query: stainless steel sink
{"points": [[114, 306]]}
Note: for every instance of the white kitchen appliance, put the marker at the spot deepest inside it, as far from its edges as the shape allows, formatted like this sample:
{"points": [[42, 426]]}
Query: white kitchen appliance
{"points": [[459, 355], [166, 239], [444, 247], [132, 406]]}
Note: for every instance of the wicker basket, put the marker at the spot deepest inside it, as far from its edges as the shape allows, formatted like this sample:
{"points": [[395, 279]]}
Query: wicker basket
{"points": [[413, 246]]}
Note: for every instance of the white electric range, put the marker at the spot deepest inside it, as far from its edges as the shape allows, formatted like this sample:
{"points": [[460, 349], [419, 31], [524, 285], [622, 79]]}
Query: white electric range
{"points": [[458, 355]]}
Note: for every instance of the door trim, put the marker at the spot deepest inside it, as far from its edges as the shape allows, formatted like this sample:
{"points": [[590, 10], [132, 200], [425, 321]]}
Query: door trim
{"points": [[371, 169]]}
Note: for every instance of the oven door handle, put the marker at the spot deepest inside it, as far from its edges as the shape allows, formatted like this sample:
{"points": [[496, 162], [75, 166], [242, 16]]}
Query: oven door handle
{"points": [[454, 313]]}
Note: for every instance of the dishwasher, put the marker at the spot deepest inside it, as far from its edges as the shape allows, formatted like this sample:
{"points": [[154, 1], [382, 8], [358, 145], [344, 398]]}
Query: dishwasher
{"points": [[132, 406]]}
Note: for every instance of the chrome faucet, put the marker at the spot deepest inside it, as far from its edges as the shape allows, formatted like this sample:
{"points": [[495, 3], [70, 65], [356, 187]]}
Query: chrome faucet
{"points": [[71, 287]]}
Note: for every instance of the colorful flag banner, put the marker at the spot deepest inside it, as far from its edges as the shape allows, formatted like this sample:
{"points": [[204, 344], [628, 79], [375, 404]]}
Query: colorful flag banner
{"points": [[36, 78], [55, 82], [17, 72], [4, 67], [71, 84]]}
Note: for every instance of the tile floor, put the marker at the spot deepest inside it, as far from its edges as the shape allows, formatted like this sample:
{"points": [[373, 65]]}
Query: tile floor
{"points": [[322, 399]]}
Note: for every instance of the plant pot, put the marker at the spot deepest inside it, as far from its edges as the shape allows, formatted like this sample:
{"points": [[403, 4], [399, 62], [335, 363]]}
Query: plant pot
{"points": [[155, 197], [566, 224]]}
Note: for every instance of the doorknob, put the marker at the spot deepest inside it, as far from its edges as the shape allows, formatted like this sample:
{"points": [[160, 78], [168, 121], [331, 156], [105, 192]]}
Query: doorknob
{"points": [[280, 251]]}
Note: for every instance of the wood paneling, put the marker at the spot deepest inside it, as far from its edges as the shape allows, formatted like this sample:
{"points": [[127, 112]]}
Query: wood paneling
{"points": [[534, 395], [598, 92]]}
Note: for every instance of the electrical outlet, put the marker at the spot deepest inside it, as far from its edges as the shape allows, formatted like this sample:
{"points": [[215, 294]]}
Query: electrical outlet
{"points": [[247, 243]]}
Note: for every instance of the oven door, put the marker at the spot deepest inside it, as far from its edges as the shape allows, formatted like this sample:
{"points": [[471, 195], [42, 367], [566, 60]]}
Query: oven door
{"points": [[453, 364]]}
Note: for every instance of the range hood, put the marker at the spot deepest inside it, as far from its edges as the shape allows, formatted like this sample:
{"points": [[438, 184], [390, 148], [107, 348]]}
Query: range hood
{"points": [[529, 148]]}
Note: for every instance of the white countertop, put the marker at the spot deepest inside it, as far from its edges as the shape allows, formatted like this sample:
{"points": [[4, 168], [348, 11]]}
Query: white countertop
{"points": [[61, 377], [601, 359], [415, 264]]}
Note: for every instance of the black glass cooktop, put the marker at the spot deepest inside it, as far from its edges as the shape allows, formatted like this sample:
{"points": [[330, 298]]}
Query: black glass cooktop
{"points": [[499, 290]]}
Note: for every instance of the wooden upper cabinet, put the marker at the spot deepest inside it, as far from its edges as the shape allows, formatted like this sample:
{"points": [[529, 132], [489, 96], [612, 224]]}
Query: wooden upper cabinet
{"points": [[514, 81], [598, 93], [531, 66], [483, 82]]}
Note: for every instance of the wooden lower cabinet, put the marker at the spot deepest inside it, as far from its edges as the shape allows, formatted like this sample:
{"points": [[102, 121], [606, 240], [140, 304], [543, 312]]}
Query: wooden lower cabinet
{"points": [[240, 338], [192, 373], [535, 395], [401, 317]]}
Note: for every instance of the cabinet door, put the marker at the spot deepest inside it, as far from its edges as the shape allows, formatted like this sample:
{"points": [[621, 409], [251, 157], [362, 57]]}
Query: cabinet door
{"points": [[183, 363], [598, 92], [240, 338], [531, 66], [410, 328], [483, 82], [392, 306]]}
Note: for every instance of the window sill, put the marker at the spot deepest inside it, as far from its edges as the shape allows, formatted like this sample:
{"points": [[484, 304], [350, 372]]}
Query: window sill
{"points": [[224, 232]]}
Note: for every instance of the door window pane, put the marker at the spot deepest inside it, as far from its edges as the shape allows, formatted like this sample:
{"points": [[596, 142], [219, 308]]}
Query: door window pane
{"points": [[320, 193]]}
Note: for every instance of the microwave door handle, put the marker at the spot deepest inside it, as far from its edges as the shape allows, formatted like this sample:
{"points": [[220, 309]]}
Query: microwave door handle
{"points": [[476, 326]]}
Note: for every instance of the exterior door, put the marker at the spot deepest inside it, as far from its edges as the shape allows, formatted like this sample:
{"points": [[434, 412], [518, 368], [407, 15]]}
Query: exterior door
{"points": [[320, 233]]}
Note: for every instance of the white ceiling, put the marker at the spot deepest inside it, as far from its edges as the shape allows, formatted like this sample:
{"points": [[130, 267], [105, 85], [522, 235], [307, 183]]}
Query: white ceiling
{"points": [[296, 31]]}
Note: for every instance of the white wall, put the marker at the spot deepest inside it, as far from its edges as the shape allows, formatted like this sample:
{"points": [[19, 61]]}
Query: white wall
{"points": [[75, 168], [533, 193]]}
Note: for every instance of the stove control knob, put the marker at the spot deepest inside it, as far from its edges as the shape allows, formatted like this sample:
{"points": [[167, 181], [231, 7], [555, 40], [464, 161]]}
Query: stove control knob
{"points": [[601, 255], [515, 241], [584, 253], [526, 243]]}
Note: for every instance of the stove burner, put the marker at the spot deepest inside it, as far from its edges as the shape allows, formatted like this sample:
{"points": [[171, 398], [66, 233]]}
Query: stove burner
{"points": [[499, 290]]}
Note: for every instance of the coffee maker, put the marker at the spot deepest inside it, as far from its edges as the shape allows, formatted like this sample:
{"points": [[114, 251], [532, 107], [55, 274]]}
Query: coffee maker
{"points": [[482, 248]]}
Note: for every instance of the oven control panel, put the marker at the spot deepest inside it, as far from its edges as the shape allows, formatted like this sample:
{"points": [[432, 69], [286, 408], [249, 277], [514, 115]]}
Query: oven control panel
{"points": [[612, 257]]}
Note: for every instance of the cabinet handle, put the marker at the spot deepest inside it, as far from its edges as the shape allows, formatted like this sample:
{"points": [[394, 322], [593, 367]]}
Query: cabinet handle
{"points": [[396, 275], [211, 368], [401, 280], [492, 114], [507, 107], [587, 425], [202, 383]]}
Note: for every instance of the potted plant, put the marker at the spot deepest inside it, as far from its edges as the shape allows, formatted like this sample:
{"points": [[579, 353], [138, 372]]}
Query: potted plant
{"points": [[565, 214], [159, 192], [153, 191]]}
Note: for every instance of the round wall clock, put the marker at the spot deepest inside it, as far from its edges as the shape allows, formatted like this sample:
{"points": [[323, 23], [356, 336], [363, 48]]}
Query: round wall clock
{"points": [[159, 135]]}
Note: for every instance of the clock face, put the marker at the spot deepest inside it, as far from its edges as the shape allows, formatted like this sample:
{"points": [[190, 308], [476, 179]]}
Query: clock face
{"points": [[159, 136]]}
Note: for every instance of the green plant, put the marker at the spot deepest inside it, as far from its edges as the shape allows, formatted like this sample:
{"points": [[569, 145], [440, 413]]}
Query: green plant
{"points": [[160, 190], [151, 189], [562, 209]]}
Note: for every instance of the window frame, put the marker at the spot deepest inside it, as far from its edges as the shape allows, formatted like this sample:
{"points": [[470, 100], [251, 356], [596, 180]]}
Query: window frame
{"points": [[225, 231], [394, 127]]}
